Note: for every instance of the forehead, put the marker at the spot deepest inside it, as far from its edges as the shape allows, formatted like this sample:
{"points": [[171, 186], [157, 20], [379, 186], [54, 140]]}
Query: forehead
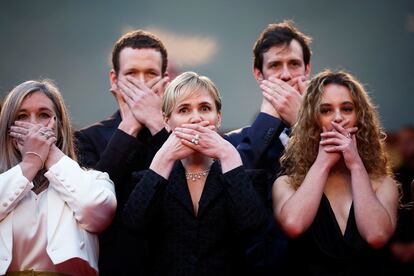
{"points": [[335, 93], [36, 100], [284, 51], [200, 95], [144, 58]]}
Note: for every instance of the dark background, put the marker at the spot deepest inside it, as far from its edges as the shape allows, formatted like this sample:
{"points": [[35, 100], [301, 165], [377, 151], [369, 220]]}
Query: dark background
{"points": [[70, 42]]}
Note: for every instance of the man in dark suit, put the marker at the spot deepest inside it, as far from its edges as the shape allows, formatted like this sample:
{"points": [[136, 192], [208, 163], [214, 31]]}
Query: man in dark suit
{"points": [[129, 139], [281, 67]]}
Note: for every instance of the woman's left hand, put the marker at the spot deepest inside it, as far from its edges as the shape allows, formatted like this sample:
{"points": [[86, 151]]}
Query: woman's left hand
{"points": [[342, 140]]}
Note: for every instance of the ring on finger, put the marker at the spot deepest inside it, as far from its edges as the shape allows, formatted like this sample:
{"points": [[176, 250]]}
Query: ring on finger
{"points": [[196, 139], [348, 135]]}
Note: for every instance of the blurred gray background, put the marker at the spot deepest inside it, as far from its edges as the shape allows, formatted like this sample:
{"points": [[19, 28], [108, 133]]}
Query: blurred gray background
{"points": [[70, 42]]}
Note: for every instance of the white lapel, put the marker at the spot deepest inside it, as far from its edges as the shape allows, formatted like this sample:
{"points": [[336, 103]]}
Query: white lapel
{"points": [[6, 236]]}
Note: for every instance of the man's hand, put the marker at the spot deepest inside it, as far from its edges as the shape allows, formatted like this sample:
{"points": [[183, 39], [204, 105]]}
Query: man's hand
{"points": [[285, 99], [300, 84], [144, 100], [129, 123]]}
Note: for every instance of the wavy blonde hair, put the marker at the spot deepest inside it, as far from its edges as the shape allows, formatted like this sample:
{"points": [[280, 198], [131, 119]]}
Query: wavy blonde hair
{"points": [[10, 156], [303, 146]]}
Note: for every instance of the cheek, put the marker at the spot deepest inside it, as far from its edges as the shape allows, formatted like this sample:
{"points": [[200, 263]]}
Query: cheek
{"points": [[270, 73], [174, 122], [43, 121], [297, 72], [325, 122]]}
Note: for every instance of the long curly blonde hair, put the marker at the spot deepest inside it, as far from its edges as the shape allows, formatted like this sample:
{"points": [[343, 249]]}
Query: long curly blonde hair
{"points": [[303, 145]]}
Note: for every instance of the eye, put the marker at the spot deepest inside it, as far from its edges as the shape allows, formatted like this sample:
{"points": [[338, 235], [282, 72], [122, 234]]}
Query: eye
{"points": [[205, 108], [44, 115], [152, 73], [273, 65], [22, 117], [325, 111], [348, 109], [183, 110]]}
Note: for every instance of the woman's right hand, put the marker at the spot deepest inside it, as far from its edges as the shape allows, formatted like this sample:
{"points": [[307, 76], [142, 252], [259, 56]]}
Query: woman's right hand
{"points": [[324, 157], [174, 149], [171, 151]]}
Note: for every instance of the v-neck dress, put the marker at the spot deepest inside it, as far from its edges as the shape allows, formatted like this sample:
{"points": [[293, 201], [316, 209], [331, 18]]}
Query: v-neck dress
{"points": [[182, 243], [324, 250]]}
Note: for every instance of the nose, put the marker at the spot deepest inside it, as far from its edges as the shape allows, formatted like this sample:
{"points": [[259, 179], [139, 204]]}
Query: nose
{"points": [[140, 77], [33, 119], [195, 117], [338, 117], [285, 73]]}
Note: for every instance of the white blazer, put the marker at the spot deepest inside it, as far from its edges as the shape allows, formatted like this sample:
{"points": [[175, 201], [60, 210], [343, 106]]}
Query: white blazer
{"points": [[81, 203]]}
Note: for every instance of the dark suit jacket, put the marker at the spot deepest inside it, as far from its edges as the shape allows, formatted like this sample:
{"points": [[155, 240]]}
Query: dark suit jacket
{"points": [[103, 147], [209, 243]]}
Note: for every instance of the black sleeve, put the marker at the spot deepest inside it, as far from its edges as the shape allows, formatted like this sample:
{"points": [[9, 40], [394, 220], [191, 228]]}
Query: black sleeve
{"points": [[258, 143], [245, 207], [142, 205]]}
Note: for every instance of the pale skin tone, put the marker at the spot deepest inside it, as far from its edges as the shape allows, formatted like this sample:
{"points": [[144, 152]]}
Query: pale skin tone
{"points": [[35, 131], [196, 114], [283, 80], [339, 173], [138, 88]]}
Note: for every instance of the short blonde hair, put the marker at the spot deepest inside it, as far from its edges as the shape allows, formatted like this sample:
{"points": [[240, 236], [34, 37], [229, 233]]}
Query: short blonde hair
{"points": [[185, 85]]}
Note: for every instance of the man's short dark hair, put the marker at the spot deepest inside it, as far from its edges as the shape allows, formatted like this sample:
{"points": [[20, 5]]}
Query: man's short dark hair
{"points": [[139, 39], [279, 34]]}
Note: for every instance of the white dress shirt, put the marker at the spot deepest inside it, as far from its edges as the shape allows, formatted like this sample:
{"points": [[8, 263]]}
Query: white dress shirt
{"points": [[30, 234]]}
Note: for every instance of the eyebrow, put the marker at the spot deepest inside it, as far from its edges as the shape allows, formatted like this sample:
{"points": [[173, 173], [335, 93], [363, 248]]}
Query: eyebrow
{"points": [[40, 109], [343, 103]]}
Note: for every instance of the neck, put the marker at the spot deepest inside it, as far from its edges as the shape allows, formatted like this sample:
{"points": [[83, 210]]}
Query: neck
{"points": [[196, 163]]}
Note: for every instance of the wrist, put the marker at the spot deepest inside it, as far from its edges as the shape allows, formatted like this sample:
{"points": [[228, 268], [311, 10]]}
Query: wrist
{"points": [[322, 165], [356, 166], [229, 158], [267, 108], [162, 164], [155, 125], [33, 160], [130, 128], [55, 154]]}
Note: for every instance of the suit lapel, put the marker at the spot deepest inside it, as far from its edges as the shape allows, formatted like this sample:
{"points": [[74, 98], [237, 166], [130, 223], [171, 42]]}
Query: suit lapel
{"points": [[178, 188], [212, 188]]}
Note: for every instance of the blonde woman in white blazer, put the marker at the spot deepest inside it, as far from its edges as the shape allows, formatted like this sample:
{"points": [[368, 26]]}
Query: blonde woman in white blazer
{"points": [[51, 210]]}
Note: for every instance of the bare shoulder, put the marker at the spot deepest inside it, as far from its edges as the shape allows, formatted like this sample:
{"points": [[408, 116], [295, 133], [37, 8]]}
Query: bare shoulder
{"points": [[385, 182], [282, 185], [282, 180]]}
